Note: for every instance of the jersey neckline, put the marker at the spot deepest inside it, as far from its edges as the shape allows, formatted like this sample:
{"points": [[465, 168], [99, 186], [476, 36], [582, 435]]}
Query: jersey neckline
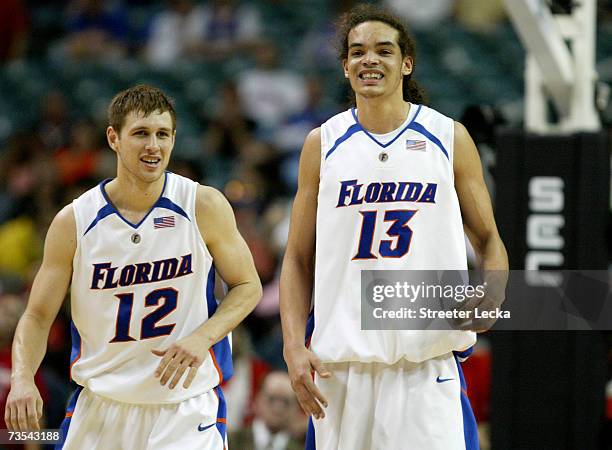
{"points": [[403, 127], [116, 211]]}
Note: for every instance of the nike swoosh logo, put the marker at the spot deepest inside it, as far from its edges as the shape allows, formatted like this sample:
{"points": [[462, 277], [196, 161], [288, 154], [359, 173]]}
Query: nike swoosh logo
{"points": [[201, 428], [442, 380]]}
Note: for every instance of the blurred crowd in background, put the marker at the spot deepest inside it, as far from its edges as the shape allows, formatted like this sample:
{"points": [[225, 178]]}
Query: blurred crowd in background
{"points": [[249, 79]]}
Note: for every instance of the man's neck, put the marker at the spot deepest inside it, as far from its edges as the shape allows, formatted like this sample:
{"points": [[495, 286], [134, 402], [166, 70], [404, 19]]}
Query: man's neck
{"points": [[382, 115], [132, 197]]}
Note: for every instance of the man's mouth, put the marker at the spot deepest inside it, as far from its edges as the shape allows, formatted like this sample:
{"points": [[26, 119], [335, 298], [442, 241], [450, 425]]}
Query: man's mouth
{"points": [[371, 76], [151, 161]]}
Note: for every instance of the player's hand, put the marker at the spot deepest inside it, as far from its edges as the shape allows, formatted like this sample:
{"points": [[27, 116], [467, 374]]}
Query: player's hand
{"points": [[492, 300], [187, 353], [480, 324], [301, 362], [24, 406]]}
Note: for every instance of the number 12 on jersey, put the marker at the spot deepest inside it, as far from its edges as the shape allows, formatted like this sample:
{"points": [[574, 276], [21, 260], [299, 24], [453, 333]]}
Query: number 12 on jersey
{"points": [[148, 328], [388, 248]]}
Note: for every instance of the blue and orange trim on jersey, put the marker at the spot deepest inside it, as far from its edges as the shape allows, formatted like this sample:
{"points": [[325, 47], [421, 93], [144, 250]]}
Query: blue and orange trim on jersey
{"points": [[64, 427], [221, 415], [77, 346], [221, 352], [470, 429]]}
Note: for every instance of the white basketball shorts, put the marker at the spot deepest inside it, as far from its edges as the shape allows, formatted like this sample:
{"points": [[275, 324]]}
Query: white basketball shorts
{"points": [[415, 406], [94, 422]]}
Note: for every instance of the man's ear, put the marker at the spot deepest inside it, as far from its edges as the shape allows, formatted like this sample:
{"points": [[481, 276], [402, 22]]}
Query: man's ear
{"points": [[113, 138], [407, 65]]}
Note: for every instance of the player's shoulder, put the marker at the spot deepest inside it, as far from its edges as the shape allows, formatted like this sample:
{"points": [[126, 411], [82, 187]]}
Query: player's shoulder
{"points": [[214, 214], [89, 204], [175, 185], [180, 193], [341, 120], [437, 126], [337, 126], [90, 195], [313, 139], [210, 202], [65, 216], [63, 226], [427, 114]]}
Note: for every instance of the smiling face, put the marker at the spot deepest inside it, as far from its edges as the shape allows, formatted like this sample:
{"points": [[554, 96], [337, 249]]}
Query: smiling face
{"points": [[143, 145], [374, 64]]}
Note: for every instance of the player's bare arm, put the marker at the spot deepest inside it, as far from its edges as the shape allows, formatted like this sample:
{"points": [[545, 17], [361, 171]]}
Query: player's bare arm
{"points": [[235, 265], [475, 202], [297, 281], [477, 213], [24, 404]]}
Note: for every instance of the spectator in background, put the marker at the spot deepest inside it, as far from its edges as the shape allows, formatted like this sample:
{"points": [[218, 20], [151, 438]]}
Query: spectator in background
{"points": [[241, 390], [275, 409], [21, 247], [171, 33], [54, 125], [93, 32], [214, 30], [291, 134], [18, 176], [251, 228], [13, 30], [421, 15], [227, 132], [81, 158], [269, 93], [228, 29], [318, 43], [26, 189]]}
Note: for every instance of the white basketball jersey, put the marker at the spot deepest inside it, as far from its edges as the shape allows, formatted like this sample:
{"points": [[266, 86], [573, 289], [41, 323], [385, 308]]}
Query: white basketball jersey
{"points": [[137, 287], [386, 202]]}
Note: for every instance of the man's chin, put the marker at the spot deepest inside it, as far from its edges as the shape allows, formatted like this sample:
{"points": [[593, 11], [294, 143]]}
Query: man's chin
{"points": [[369, 93], [152, 177]]}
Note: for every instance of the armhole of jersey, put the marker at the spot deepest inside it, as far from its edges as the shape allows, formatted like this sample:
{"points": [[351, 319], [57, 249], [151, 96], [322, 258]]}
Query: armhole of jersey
{"points": [[322, 132], [79, 231], [193, 207], [452, 150]]}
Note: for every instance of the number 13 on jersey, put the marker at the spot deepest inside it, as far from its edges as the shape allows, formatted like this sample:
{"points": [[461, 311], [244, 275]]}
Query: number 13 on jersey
{"points": [[399, 231]]}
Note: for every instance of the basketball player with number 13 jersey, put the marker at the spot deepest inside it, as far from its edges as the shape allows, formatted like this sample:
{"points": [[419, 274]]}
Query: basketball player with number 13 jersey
{"points": [[387, 185]]}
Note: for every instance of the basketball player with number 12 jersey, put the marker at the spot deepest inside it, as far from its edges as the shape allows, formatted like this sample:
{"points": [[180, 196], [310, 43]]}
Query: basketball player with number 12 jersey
{"points": [[150, 341]]}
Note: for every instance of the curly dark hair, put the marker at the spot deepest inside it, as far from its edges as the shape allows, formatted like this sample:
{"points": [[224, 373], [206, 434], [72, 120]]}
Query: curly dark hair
{"points": [[412, 92]]}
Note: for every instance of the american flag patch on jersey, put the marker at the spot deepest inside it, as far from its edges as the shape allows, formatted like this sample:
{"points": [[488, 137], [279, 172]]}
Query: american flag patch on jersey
{"points": [[415, 145], [163, 222]]}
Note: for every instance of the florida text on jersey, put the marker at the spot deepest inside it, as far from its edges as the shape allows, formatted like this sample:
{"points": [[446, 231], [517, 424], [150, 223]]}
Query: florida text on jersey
{"points": [[138, 287], [385, 202]]}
